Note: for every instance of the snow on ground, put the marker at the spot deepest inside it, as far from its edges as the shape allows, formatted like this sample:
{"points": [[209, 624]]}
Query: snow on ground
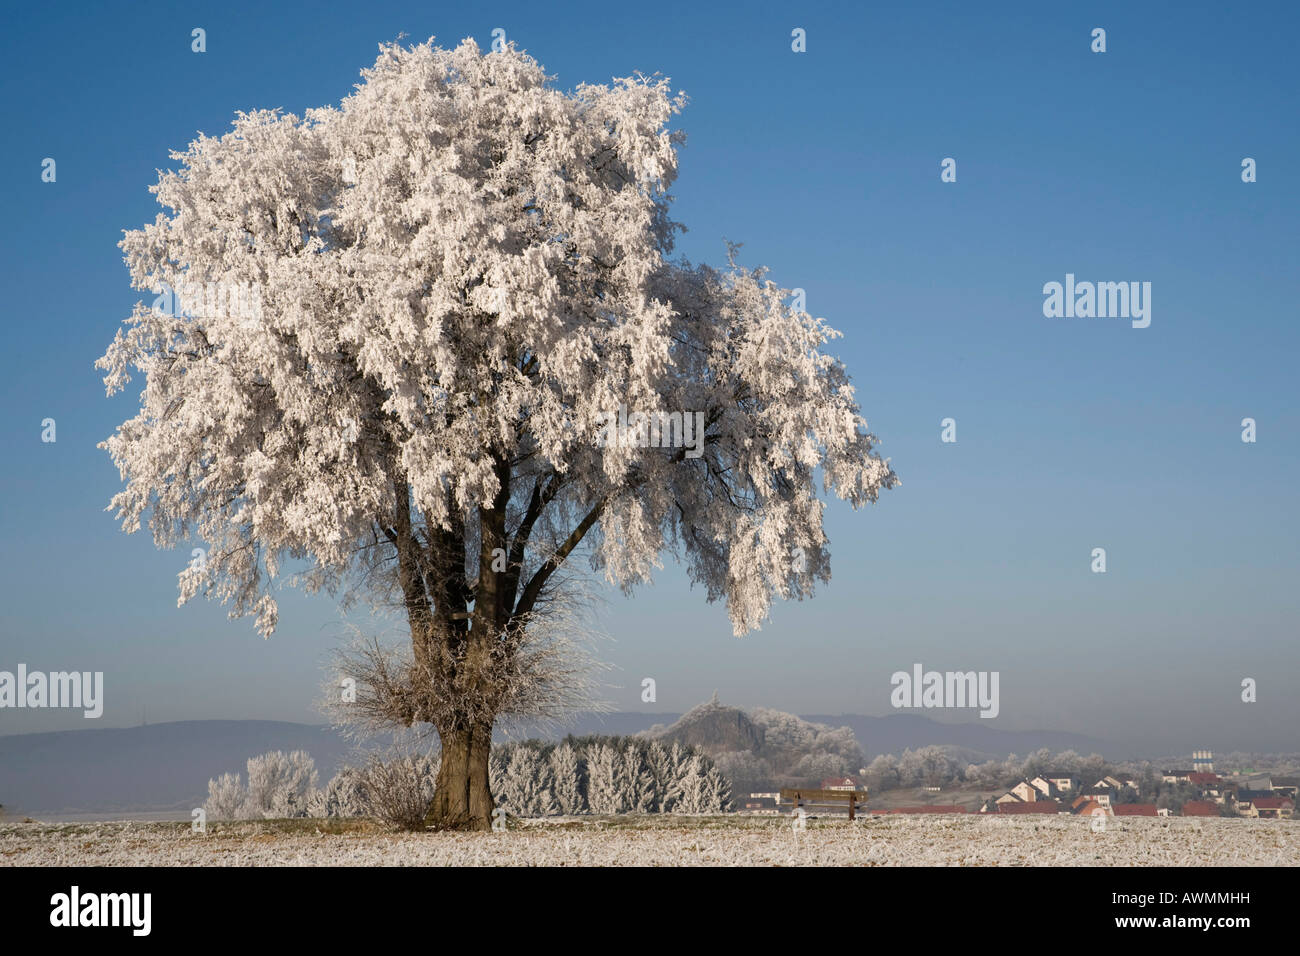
{"points": [[669, 841]]}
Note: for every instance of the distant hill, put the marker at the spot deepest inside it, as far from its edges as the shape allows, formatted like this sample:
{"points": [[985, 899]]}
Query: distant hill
{"points": [[156, 768], [715, 729]]}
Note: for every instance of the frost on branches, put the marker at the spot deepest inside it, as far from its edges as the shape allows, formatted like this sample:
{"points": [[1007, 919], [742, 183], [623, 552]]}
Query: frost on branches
{"points": [[604, 775], [396, 790], [462, 272], [279, 785], [607, 775]]}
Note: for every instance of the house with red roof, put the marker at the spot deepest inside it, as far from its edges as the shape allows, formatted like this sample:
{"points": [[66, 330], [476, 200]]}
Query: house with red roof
{"points": [[1089, 807], [1286, 787], [1200, 808], [1210, 784], [1038, 806], [1103, 795], [1134, 810], [1271, 808]]}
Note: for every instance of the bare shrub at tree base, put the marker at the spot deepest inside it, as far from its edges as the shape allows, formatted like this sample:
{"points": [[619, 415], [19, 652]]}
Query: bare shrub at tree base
{"points": [[398, 791]]}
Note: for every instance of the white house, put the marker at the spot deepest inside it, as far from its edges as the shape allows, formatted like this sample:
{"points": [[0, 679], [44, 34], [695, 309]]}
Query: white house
{"points": [[1063, 780], [1023, 792], [1101, 794]]}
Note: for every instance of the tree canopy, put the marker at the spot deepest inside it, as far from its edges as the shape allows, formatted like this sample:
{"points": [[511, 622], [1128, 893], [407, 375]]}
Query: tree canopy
{"points": [[461, 271]]}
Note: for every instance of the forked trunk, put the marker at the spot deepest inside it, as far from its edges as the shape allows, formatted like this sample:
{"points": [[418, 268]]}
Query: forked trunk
{"points": [[463, 799]]}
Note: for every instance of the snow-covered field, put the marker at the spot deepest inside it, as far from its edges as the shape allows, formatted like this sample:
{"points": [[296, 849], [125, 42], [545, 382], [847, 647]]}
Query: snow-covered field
{"points": [[668, 841]]}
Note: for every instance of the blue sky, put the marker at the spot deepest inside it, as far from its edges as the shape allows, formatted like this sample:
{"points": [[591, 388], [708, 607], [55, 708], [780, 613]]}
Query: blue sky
{"points": [[1072, 433]]}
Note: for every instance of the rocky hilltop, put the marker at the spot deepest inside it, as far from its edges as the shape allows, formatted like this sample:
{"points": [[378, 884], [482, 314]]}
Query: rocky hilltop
{"points": [[715, 729]]}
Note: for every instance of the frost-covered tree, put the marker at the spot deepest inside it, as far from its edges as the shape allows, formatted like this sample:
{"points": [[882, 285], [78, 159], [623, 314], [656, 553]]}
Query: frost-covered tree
{"points": [[677, 765], [344, 796], [607, 790], [883, 773], [800, 752], [280, 784], [664, 769], [527, 784], [937, 766], [746, 771], [693, 786], [520, 764], [544, 803], [227, 798], [567, 781], [1038, 762], [1092, 768], [717, 791], [464, 285], [1067, 760], [813, 768], [638, 779]]}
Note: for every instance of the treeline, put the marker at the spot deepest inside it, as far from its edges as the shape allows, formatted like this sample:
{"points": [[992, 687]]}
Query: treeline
{"points": [[530, 779], [606, 775], [937, 766], [794, 753]]}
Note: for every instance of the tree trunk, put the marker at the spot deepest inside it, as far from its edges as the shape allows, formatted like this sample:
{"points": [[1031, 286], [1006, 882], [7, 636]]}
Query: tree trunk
{"points": [[462, 799]]}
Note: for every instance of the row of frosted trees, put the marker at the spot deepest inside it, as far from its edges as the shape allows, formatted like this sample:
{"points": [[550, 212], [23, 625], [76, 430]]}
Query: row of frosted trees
{"points": [[531, 779], [606, 775]]}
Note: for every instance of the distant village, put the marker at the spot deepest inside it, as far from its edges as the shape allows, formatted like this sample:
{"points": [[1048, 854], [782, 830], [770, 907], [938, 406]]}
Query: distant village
{"points": [[1197, 791]]}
